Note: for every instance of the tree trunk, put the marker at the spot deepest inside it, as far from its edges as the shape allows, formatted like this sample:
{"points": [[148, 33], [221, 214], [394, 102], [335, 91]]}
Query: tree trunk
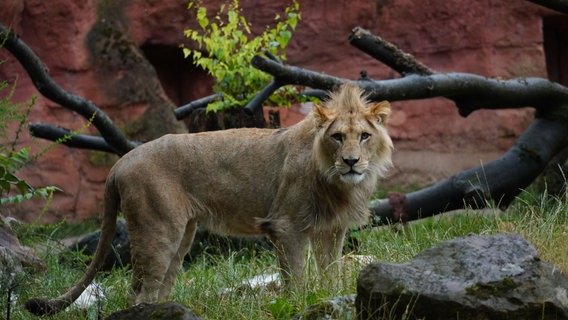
{"points": [[201, 120]]}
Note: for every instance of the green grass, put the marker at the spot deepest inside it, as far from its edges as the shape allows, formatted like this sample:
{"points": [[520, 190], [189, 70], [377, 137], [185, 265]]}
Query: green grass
{"points": [[540, 219]]}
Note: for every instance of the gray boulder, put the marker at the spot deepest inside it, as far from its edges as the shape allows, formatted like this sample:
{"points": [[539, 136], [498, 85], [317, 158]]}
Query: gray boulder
{"points": [[475, 277], [162, 311]]}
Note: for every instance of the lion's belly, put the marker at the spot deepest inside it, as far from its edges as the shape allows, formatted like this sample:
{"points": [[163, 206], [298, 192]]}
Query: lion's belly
{"points": [[232, 204], [231, 219]]}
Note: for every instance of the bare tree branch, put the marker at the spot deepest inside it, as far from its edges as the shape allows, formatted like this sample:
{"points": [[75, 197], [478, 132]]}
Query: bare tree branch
{"points": [[49, 89], [187, 109], [387, 53], [260, 97], [470, 92], [70, 138]]}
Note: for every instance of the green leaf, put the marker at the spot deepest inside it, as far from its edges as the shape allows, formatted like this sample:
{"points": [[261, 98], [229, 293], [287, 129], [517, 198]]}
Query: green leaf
{"points": [[186, 52], [202, 17], [10, 177], [23, 187], [5, 185]]}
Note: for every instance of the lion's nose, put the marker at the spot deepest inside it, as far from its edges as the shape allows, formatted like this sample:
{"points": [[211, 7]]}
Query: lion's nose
{"points": [[351, 161]]}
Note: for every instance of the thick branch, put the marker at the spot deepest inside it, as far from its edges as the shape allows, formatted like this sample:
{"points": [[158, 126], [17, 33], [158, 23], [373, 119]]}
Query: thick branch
{"points": [[69, 138], [48, 88], [500, 180], [470, 92], [294, 75], [187, 109], [387, 53], [260, 97]]}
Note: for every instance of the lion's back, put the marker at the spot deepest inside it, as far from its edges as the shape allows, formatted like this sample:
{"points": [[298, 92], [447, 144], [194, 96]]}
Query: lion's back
{"points": [[232, 172]]}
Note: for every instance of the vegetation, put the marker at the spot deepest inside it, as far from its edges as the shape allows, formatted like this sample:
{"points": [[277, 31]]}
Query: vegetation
{"points": [[225, 47], [11, 158], [539, 218], [13, 189]]}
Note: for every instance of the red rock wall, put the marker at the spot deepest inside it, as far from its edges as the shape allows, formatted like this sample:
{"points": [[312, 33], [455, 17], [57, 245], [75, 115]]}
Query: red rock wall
{"points": [[487, 37]]}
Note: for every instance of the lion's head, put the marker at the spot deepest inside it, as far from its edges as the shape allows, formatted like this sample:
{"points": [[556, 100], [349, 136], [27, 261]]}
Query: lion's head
{"points": [[352, 143]]}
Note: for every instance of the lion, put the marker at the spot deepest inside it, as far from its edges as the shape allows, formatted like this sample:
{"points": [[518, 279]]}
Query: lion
{"points": [[304, 184]]}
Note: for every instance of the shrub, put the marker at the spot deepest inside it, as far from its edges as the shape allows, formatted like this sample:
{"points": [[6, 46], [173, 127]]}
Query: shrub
{"points": [[225, 50]]}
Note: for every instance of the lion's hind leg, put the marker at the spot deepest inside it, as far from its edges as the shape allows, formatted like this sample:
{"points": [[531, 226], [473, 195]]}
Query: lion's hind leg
{"points": [[177, 261], [158, 229]]}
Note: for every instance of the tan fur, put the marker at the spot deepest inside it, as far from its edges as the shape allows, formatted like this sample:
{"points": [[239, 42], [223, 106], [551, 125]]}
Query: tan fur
{"points": [[294, 185]]}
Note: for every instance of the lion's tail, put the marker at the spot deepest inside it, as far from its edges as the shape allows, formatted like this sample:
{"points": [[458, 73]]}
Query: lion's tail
{"points": [[40, 306]]}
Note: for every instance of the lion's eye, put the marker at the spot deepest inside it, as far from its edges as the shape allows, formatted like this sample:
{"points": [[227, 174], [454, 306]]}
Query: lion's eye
{"points": [[337, 137], [365, 136]]}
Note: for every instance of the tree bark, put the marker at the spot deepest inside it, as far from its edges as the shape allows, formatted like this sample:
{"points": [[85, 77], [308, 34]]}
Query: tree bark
{"points": [[387, 53]]}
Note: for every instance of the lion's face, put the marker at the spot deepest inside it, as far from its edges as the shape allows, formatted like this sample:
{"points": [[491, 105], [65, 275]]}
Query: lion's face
{"points": [[354, 143]]}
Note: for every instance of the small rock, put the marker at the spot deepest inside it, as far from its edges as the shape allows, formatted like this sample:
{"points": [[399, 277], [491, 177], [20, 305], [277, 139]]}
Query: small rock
{"points": [[93, 294], [162, 311], [337, 308], [259, 283]]}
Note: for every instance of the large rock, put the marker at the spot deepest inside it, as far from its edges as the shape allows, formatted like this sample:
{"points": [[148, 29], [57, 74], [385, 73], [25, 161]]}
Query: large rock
{"points": [[475, 277]]}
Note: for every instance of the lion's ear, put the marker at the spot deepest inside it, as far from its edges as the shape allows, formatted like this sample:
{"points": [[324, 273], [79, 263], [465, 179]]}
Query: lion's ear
{"points": [[321, 114], [381, 111]]}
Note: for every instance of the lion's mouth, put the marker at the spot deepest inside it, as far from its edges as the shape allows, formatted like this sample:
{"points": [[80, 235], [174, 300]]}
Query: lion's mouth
{"points": [[352, 176], [352, 171]]}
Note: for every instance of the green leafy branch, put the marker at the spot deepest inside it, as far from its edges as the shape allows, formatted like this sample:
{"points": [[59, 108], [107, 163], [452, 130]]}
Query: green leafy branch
{"points": [[225, 47], [12, 160]]}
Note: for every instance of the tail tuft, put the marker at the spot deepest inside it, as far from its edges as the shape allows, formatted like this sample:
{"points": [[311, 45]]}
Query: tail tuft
{"points": [[40, 307]]}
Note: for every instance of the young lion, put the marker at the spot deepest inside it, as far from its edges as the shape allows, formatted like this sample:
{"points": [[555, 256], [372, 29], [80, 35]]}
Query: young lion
{"points": [[303, 184]]}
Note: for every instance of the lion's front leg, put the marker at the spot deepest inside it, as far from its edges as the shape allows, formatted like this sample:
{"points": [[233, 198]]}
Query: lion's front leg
{"points": [[327, 246], [291, 253]]}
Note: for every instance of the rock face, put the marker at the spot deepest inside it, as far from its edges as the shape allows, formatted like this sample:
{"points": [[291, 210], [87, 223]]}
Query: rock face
{"points": [[98, 49], [475, 277]]}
